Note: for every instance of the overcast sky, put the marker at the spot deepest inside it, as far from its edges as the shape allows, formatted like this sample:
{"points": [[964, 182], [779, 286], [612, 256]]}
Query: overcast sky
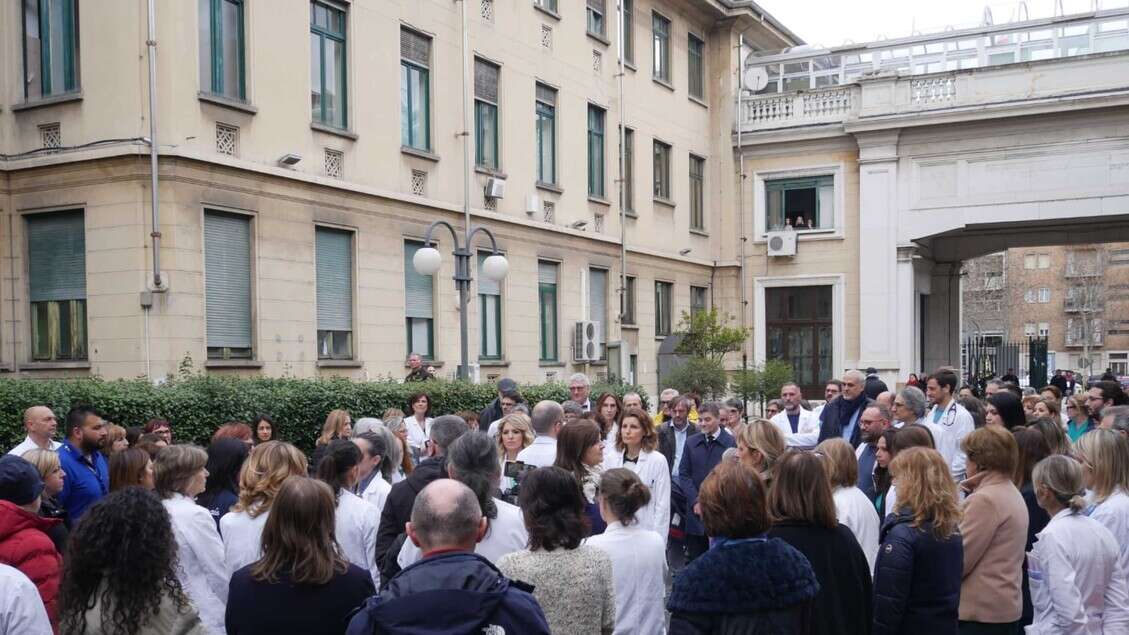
{"points": [[831, 22]]}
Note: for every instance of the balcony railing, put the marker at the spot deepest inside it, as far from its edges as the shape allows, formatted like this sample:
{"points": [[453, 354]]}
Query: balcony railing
{"points": [[797, 109]]}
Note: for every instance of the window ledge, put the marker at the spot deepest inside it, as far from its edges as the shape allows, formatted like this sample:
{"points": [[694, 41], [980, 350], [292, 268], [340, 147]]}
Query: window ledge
{"points": [[337, 132], [482, 169], [599, 200], [665, 202], [233, 363], [808, 235], [425, 363], [420, 154], [547, 11], [549, 187], [629, 327], [630, 213], [698, 100], [659, 338], [493, 363], [598, 362], [48, 101], [340, 363], [227, 102], [602, 39], [664, 83], [699, 232], [550, 364], [75, 365], [631, 66]]}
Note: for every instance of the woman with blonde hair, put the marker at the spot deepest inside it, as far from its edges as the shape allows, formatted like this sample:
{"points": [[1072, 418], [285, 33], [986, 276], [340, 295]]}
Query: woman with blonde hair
{"points": [[1049, 409], [918, 572], [1104, 455], [636, 448], [46, 462], [852, 507], [1078, 420], [262, 475], [338, 425], [1078, 583], [115, 439], [515, 433], [760, 446]]}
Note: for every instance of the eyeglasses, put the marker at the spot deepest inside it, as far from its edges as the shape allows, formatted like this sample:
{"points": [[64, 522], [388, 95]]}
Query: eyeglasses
{"points": [[664, 403], [575, 388]]}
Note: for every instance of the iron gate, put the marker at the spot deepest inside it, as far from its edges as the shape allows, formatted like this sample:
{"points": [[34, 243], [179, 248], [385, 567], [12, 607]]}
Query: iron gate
{"points": [[985, 357]]}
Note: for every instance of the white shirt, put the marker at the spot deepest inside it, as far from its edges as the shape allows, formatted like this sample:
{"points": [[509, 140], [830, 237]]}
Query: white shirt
{"points": [[506, 534], [655, 474], [891, 500], [21, 608], [242, 539], [638, 558], [200, 560], [807, 429], [357, 522], [542, 452], [856, 511], [29, 445], [955, 423], [680, 437], [1078, 586], [417, 434], [376, 493], [1113, 514]]}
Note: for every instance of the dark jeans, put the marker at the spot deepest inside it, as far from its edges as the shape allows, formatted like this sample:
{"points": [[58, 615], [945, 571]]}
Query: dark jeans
{"points": [[984, 628]]}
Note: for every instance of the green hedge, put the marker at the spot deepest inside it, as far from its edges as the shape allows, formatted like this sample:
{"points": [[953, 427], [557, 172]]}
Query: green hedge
{"points": [[198, 405]]}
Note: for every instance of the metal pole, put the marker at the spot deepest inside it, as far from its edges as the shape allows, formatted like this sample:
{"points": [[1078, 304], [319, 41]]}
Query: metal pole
{"points": [[744, 238], [464, 261], [155, 234], [624, 360]]}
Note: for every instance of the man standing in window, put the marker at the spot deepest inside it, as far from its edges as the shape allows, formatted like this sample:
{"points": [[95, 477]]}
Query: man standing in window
{"points": [[87, 474], [418, 372]]}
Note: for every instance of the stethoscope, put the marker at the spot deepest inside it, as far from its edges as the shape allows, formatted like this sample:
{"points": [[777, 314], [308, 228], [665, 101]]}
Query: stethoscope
{"points": [[950, 416]]}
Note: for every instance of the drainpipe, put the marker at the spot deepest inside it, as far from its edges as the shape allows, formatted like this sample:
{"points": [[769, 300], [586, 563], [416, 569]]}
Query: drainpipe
{"points": [[151, 45], [624, 358], [744, 238]]}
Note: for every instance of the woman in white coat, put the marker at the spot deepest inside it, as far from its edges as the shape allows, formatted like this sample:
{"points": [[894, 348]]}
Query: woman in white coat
{"points": [[635, 449], [180, 476], [852, 507], [1104, 455], [638, 555], [1078, 584], [356, 521]]}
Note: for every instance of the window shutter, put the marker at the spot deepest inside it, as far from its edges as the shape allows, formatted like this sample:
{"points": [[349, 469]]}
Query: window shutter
{"points": [[418, 290], [56, 246], [227, 276], [486, 81], [598, 300], [547, 272], [414, 47], [546, 95], [596, 5], [486, 286], [335, 279]]}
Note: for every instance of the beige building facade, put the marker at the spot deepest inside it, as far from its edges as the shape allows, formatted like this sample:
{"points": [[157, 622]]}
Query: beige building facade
{"points": [[304, 148]]}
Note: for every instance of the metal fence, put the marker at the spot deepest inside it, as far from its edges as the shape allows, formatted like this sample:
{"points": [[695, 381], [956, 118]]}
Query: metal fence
{"points": [[985, 357]]}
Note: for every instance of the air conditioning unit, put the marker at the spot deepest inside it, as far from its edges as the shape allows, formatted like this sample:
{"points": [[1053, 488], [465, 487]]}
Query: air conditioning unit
{"points": [[532, 204], [495, 187], [782, 243], [586, 342]]}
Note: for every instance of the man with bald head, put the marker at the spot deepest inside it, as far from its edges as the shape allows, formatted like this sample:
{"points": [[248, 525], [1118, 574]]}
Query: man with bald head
{"points": [[446, 524], [840, 417], [41, 424], [546, 419]]}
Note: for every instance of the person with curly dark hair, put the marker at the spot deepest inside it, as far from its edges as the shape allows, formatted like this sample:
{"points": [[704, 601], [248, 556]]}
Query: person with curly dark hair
{"points": [[120, 574], [572, 582]]}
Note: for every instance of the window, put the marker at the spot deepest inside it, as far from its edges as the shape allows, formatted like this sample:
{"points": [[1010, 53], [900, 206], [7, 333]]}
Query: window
{"points": [[1118, 256], [1044, 295], [1030, 296], [662, 170], [1044, 329], [546, 133], [486, 114], [1043, 261], [695, 66], [798, 327], [1082, 263], [327, 64], [993, 281], [334, 260], [50, 48], [628, 170], [628, 31], [548, 5], [1029, 261], [221, 48], [227, 285], [664, 312], [598, 306], [595, 151], [1119, 363], [415, 90], [660, 28], [697, 193], [1029, 329], [547, 299], [596, 18], [419, 301], [56, 252], [490, 313], [629, 301], [698, 300], [807, 203]]}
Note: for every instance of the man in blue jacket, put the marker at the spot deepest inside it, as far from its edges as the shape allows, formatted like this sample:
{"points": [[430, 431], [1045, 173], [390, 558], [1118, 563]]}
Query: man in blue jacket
{"points": [[452, 589], [87, 474], [702, 452]]}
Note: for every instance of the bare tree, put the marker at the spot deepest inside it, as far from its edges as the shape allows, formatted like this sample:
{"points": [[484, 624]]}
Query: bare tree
{"points": [[1085, 297]]}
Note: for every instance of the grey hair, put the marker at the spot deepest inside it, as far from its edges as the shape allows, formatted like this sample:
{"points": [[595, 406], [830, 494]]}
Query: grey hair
{"points": [[998, 383], [914, 400], [883, 411], [473, 461], [857, 374], [581, 377], [545, 415], [377, 445], [395, 424], [522, 407], [366, 424], [668, 392], [572, 408], [445, 522], [1061, 475], [734, 403], [393, 453], [447, 428], [1120, 416]]}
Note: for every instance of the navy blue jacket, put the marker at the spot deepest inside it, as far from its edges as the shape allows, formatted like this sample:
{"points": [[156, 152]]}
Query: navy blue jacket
{"points": [[699, 457], [837, 414], [451, 593], [916, 579], [256, 607], [753, 586], [87, 480]]}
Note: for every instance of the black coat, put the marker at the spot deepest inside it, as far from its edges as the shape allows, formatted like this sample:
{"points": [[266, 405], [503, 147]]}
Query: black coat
{"points": [[1037, 519], [750, 587], [256, 607], [837, 414], [844, 601], [490, 413], [916, 579], [50, 508], [398, 511], [874, 386]]}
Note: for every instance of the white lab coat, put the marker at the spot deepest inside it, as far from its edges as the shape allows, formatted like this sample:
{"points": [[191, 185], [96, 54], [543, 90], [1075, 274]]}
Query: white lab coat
{"points": [[1113, 514], [856, 511], [1078, 586], [200, 560], [357, 522], [807, 429], [638, 570], [655, 474], [242, 539], [376, 493], [21, 608], [541, 453], [956, 423], [417, 434], [507, 534]]}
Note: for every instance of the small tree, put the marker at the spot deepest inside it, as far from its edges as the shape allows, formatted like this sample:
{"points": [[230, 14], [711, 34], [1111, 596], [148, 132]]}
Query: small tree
{"points": [[762, 382], [700, 375], [707, 334]]}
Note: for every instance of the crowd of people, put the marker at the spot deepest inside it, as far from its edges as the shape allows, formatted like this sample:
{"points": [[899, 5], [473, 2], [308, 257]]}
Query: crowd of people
{"points": [[877, 511]]}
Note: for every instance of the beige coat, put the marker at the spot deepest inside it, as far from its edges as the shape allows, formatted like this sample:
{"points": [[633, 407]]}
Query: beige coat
{"points": [[167, 621], [994, 529]]}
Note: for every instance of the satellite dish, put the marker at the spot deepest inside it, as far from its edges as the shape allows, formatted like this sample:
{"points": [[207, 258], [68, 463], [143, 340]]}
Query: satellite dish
{"points": [[756, 78]]}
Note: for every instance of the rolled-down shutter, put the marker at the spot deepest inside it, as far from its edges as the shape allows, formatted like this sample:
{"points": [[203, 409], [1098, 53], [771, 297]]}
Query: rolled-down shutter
{"points": [[335, 279], [415, 47], [486, 286], [547, 272], [598, 301], [419, 294], [56, 246], [227, 279]]}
